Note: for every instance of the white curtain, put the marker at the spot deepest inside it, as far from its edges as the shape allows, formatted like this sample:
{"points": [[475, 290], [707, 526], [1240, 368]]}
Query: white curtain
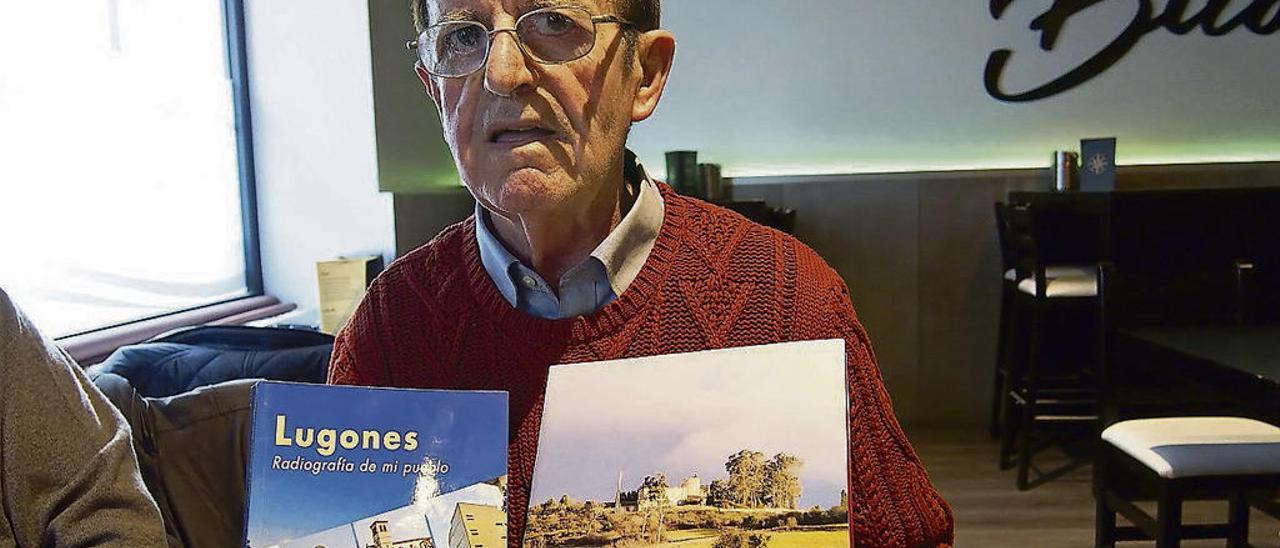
{"points": [[119, 190]]}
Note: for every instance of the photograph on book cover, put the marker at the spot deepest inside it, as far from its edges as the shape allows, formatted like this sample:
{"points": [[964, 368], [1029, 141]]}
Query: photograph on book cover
{"points": [[354, 467], [734, 447]]}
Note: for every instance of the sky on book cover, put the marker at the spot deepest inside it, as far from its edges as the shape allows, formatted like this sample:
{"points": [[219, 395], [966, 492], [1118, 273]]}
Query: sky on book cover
{"points": [[465, 431], [685, 414]]}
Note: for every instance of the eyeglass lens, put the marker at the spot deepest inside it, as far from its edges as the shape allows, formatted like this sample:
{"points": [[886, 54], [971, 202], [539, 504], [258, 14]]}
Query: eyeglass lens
{"points": [[550, 36]]}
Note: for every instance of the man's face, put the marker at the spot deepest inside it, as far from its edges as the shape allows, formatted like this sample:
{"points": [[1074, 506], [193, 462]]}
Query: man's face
{"points": [[527, 136]]}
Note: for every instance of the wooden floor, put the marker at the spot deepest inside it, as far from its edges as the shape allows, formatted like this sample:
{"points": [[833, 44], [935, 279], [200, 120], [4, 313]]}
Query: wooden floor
{"points": [[991, 512]]}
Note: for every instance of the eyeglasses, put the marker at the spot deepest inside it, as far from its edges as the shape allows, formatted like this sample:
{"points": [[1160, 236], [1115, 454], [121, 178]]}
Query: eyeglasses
{"points": [[550, 36]]}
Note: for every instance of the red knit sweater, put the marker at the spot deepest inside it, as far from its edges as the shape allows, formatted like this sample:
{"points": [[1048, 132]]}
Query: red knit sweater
{"points": [[435, 319]]}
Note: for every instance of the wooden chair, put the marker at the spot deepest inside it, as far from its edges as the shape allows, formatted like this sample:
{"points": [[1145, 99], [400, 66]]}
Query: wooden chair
{"points": [[1183, 458], [1172, 459], [1007, 334]]}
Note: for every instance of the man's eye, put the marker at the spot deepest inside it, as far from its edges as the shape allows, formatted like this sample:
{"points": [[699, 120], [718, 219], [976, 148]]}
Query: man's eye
{"points": [[553, 24], [464, 40]]}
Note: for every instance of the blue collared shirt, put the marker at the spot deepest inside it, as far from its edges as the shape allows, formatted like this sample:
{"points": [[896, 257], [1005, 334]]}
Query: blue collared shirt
{"points": [[592, 283]]}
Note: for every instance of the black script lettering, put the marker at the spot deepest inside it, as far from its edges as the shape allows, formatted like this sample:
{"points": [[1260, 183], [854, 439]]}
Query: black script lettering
{"points": [[1173, 18], [1252, 17], [1257, 12]]}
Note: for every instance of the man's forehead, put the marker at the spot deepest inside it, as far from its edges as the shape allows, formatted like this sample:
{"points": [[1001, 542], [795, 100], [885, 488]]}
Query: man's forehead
{"points": [[483, 10]]}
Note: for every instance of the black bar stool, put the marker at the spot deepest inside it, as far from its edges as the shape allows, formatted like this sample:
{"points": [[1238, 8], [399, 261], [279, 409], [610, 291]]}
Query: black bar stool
{"points": [[1041, 396]]}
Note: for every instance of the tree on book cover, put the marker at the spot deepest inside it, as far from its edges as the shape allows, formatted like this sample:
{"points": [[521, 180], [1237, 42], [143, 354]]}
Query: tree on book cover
{"points": [[342, 466]]}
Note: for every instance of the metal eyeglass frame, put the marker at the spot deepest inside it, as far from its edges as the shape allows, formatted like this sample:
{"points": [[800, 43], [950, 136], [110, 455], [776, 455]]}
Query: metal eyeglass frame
{"points": [[412, 45]]}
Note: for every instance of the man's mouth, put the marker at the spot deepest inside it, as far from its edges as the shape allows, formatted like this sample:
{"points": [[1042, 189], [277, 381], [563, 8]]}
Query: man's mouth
{"points": [[519, 136]]}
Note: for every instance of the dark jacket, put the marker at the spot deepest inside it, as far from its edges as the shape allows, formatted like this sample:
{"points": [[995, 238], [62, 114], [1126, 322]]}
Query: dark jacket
{"points": [[189, 406]]}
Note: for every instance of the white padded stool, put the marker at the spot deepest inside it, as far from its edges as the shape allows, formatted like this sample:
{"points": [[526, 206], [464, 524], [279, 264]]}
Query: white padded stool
{"points": [[1063, 286], [1187, 457], [1184, 447], [1056, 271]]}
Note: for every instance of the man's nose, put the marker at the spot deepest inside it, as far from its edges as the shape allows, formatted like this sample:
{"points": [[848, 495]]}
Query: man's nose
{"points": [[508, 68]]}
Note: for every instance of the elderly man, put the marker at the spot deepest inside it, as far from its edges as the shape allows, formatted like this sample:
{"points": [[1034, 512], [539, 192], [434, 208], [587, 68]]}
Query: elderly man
{"points": [[574, 254]]}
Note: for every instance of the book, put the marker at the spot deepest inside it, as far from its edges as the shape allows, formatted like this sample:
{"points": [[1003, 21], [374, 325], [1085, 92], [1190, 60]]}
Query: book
{"points": [[342, 283], [357, 467], [687, 449], [1098, 164]]}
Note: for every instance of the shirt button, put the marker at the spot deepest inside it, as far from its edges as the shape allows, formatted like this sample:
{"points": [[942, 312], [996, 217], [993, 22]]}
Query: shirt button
{"points": [[529, 282]]}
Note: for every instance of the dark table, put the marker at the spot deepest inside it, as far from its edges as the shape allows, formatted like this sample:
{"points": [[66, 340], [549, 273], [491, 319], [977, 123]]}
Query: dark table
{"points": [[1243, 359], [1250, 350]]}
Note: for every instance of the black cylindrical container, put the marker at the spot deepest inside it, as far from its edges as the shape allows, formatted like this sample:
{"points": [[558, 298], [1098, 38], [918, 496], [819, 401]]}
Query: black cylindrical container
{"points": [[712, 189], [682, 172]]}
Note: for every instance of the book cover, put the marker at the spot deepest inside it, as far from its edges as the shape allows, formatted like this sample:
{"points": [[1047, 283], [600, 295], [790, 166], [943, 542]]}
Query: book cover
{"points": [[357, 467], [727, 447]]}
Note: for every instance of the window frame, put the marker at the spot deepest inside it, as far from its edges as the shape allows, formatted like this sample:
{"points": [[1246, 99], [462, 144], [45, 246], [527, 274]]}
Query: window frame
{"points": [[238, 65]]}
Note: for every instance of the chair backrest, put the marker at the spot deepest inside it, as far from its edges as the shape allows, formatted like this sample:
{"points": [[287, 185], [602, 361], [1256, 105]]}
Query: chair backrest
{"points": [[1006, 254], [1258, 290], [1023, 232]]}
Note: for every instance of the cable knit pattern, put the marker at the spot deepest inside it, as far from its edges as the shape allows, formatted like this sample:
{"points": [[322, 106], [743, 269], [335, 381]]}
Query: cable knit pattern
{"points": [[434, 319]]}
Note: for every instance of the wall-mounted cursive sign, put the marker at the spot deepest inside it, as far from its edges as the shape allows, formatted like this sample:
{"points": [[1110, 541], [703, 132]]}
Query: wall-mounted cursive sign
{"points": [[1260, 17]]}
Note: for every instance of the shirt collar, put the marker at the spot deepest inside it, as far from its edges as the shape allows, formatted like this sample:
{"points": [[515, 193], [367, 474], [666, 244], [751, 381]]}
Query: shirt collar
{"points": [[494, 256], [623, 252]]}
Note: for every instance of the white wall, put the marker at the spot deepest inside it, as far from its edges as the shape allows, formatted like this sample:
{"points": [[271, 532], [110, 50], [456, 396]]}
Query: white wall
{"points": [[312, 103], [840, 86]]}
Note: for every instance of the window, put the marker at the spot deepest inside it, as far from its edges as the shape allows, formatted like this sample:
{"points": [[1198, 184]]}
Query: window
{"points": [[127, 191]]}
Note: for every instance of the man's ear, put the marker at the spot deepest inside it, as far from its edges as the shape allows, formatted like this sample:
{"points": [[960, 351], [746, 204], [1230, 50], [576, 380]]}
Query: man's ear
{"points": [[657, 51], [428, 82]]}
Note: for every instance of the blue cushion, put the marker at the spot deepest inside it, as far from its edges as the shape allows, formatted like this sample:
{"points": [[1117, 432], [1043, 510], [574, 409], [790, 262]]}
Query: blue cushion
{"points": [[163, 369]]}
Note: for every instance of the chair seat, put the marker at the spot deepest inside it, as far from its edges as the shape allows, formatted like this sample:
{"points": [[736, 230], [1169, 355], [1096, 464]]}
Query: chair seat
{"points": [[1066, 286], [1182, 447], [1056, 271]]}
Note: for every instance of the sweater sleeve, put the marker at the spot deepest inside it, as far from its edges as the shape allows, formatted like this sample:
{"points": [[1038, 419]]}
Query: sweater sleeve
{"points": [[360, 350], [893, 502], [68, 474], [342, 369]]}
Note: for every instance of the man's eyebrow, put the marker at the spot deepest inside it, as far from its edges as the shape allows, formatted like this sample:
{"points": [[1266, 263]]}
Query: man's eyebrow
{"points": [[530, 5], [458, 14]]}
